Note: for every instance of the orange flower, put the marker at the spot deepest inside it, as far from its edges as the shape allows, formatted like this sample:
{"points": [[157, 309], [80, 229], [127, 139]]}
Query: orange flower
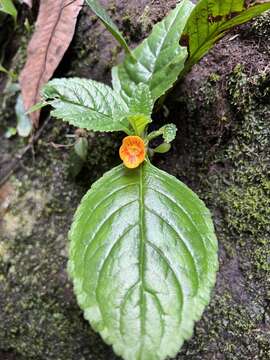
{"points": [[132, 151]]}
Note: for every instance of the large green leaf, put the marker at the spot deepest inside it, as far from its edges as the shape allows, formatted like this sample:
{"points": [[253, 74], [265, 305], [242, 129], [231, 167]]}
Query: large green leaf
{"points": [[159, 57], [8, 7], [107, 21], [86, 104], [209, 21], [143, 259]]}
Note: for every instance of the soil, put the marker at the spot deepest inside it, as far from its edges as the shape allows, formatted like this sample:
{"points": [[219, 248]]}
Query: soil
{"points": [[222, 151]]}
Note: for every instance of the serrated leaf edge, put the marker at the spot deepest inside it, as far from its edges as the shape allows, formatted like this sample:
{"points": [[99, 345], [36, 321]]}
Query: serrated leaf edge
{"points": [[201, 302]]}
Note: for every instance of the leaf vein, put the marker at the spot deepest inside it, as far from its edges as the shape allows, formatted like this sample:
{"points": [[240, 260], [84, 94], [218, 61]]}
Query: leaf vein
{"points": [[91, 241], [180, 292], [183, 210], [100, 273], [194, 265]]}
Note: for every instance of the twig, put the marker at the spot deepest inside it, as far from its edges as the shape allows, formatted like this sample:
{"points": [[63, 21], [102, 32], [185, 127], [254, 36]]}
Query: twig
{"points": [[17, 160]]}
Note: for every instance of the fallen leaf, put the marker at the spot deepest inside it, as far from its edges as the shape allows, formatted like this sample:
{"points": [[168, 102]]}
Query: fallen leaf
{"points": [[55, 28]]}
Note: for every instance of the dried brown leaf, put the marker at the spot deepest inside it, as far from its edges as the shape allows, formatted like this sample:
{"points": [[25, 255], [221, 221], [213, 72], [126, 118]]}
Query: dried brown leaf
{"points": [[55, 28]]}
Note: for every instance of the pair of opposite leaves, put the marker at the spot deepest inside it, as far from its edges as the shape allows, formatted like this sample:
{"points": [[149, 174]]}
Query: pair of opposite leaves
{"points": [[143, 253]]}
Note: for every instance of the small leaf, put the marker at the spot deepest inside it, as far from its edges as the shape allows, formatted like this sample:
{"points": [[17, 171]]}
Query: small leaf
{"points": [[3, 69], [8, 7], [169, 132], [143, 260], [54, 31], [87, 104], [160, 59], [11, 74], [81, 148], [75, 164], [107, 21], [24, 125], [11, 131], [162, 148], [36, 107], [139, 122], [210, 20]]}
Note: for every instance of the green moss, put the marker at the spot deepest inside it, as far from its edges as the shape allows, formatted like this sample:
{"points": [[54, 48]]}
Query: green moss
{"points": [[249, 207], [248, 197]]}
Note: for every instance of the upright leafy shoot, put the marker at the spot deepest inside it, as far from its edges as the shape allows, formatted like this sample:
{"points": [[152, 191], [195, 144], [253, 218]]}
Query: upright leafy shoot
{"points": [[210, 20], [159, 58]]}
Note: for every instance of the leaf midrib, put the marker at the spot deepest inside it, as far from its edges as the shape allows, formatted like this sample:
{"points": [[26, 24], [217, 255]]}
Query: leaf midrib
{"points": [[161, 48], [85, 107], [164, 40], [142, 255], [168, 31]]}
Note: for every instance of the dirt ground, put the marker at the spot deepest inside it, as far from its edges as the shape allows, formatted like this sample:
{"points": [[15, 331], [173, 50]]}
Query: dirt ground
{"points": [[222, 151]]}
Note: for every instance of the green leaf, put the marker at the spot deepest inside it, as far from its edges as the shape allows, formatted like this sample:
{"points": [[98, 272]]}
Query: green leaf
{"points": [[86, 104], [143, 260], [169, 132], [36, 107], [139, 122], [8, 7], [140, 108], [24, 124], [107, 21], [160, 59], [141, 101], [81, 148], [75, 164], [210, 20], [162, 148], [11, 131], [3, 69], [11, 74]]}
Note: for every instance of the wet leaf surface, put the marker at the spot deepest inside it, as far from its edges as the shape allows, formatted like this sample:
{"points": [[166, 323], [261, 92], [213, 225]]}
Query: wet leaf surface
{"points": [[143, 259]]}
